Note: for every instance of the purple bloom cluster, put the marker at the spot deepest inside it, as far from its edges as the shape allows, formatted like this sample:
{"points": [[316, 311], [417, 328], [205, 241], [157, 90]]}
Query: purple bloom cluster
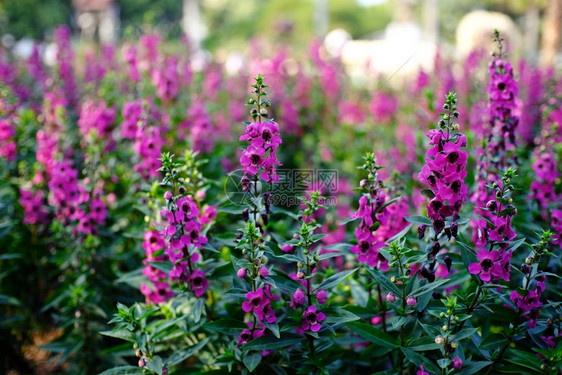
{"points": [[556, 224], [444, 173], [73, 203], [183, 234], [259, 301], [35, 211], [153, 243], [445, 170], [200, 127], [166, 78], [367, 248], [498, 138], [263, 139], [495, 231], [96, 118], [64, 58], [7, 143]]}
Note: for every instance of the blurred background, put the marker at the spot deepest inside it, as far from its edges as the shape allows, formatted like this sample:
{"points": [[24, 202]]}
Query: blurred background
{"points": [[368, 35]]}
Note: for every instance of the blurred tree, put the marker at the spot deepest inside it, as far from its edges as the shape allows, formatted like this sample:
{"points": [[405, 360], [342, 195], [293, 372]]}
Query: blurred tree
{"points": [[552, 28], [33, 18], [231, 23]]}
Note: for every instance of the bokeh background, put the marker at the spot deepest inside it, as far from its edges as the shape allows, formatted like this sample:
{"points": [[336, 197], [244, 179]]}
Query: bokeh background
{"points": [[405, 32]]}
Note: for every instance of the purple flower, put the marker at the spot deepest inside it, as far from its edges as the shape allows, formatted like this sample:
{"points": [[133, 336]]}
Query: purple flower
{"points": [[421, 371], [198, 283], [254, 300], [457, 363], [487, 266], [321, 296], [298, 299], [311, 319]]}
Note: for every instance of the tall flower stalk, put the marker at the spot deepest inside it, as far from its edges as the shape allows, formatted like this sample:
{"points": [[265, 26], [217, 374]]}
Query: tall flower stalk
{"points": [[444, 174]]}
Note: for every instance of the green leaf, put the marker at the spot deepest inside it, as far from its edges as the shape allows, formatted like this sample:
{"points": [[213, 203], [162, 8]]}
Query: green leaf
{"points": [[429, 287], [424, 343], [465, 333], [252, 361], [473, 367], [124, 370], [372, 334], [155, 364], [418, 359], [419, 220], [383, 281], [122, 334], [8, 300], [428, 193], [338, 315], [335, 279], [348, 220], [182, 354], [444, 362], [162, 266], [197, 309], [400, 234], [270, 342], [493, 341], [227, 326]]}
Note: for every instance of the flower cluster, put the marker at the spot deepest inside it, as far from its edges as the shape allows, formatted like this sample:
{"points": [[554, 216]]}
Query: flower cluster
{"points": [[7, 143], [64, 57], [73, 203], [373, 213], [166, 78], [153, 244], [527, 298], [33, 205], [445, 169], [96, 118], [259, 300], [200, 126], [498, 134], [263, 139], [182, 231], [495, 231]]}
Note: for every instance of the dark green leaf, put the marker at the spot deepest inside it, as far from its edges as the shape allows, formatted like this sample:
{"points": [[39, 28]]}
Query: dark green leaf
{"points": [[270, 342], [419, 220], [373, 334]]}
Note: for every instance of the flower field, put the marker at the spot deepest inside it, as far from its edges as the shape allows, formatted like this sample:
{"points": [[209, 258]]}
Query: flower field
{"points": [[160, 215]]}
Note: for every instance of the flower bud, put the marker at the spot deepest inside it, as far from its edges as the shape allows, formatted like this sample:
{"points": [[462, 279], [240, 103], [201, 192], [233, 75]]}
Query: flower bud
{"points": [[138, 353], [439, 340], [363, 183], [264, 272], [457, 363], [182, 190], [528, 260], [300, 275], [491, 205], [411, 301], [242, 273], [168, 195], [142, 363], [390, 297]]}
